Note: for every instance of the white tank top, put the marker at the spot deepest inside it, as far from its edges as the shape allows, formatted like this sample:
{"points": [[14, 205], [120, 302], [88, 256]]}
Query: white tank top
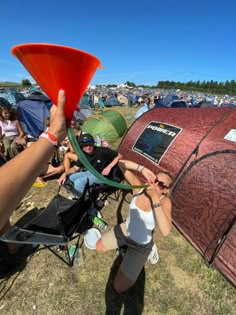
{"points": [[140, 224]]}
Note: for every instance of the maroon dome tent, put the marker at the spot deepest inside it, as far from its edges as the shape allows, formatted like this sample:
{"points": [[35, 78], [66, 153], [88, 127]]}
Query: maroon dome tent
{"points": [[198, 146]]}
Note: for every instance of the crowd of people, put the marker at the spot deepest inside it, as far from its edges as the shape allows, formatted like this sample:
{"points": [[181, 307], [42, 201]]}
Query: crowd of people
{"points": [[150, 206]]}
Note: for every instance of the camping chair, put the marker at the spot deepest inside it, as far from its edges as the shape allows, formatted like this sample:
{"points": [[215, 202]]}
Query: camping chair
{"points": [[62, 221], [99, 192]]}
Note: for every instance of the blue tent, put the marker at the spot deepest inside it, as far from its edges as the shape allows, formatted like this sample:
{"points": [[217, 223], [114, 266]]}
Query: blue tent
{"points": [[166, 101], [33, 113], [4, 102], [112, 101], [12, 96]]}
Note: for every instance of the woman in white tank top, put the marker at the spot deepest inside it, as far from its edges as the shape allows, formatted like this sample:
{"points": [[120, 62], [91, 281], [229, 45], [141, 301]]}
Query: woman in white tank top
{"points": [[149, 207]]}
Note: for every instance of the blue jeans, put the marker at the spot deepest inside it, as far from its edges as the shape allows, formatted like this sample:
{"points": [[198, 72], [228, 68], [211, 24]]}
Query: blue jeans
{"points": [[80, 179]]}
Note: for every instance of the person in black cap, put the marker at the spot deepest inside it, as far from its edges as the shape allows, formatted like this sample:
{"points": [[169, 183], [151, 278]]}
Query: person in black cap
{"points": [[104, 160]]}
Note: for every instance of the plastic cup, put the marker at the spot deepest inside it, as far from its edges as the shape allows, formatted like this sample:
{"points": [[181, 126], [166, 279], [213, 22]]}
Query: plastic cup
{"points": [[56, 67], [91, 237]]}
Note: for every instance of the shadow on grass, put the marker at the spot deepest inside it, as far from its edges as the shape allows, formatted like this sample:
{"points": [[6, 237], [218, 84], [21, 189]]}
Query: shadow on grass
{"points": [[13, 263], [131, 301]]}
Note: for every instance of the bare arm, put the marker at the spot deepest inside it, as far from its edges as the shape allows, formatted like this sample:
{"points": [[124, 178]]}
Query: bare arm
{"points": [[19, 173], [108, 168], [20, 129], [127, 167], [162, 210], [72, 170]]}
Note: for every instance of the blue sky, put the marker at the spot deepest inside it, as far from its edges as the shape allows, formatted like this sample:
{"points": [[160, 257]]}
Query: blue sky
{"points": [[142, 41]]}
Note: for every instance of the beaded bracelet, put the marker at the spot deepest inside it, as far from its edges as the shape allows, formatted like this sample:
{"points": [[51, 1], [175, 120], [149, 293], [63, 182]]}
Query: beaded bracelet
{"points": [[49, 137]]}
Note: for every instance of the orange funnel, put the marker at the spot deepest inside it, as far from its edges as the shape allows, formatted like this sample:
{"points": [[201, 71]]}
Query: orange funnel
{"points": [[56, 67]]}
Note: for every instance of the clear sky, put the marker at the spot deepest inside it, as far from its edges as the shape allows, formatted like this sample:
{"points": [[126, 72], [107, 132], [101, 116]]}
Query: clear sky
{"points": [[141, 41]]}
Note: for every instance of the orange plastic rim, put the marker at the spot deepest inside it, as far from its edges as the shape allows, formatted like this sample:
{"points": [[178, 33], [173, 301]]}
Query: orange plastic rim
{"points": [[56, 67]]}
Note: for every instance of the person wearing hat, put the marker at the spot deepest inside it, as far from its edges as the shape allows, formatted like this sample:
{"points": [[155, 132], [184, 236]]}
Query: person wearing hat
{"points": [[103, 159]]}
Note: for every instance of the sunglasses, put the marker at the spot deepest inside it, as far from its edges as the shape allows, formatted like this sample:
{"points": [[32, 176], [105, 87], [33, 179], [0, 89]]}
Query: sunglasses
{"points": [[86, 141], [161, 185]]}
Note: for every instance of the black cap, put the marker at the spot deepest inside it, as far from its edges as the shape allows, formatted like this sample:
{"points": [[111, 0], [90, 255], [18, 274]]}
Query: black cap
{"points": [[86, 139]]}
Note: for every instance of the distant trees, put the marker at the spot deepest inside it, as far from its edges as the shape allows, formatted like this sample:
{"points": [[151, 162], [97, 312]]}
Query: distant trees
{"points": [[130, 84], [26, 83], [212, 87]]}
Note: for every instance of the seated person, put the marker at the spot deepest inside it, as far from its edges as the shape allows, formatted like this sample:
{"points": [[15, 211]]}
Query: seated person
{"points": [[11, 133], [104, 160], [69, 154], [53, 168]]}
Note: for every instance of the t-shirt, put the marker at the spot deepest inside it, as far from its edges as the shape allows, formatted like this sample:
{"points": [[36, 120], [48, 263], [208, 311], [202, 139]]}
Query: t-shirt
{"points": [[100, 158]]}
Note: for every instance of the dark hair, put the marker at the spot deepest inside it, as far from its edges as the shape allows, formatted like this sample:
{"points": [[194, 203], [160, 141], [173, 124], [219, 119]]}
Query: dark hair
{"points": [[12, 112]]}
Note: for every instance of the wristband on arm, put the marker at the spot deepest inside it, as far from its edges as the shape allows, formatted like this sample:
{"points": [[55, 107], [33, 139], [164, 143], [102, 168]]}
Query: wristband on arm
{"points": [[51, 138]]}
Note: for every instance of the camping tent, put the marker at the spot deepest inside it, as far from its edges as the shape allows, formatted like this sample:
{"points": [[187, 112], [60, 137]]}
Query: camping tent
{"points": [[123, 99], [12, 96], [84, 109], [198, 146], [109, 124], [166, 101], [33, 112], [112, 101]]}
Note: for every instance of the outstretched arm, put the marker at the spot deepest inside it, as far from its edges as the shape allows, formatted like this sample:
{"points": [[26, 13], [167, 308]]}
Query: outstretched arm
{"points": [[108, 168], [18, 175], [127, 167]]}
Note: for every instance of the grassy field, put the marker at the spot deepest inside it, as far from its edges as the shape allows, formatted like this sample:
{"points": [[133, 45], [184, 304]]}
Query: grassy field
{"points": [[180, 284]]}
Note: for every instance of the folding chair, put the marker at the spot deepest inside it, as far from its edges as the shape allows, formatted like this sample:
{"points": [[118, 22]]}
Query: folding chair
{"points": [[99, 192], [62, 221]]}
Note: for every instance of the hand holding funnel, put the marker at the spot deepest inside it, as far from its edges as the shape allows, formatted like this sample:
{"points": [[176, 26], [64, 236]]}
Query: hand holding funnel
{"points": [[56, 67]]}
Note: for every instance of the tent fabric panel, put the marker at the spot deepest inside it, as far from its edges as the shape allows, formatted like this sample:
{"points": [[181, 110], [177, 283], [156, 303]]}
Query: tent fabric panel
{"points": [[98, 125], [202, 207], [33, 115], [117, 119], [225, 260], [215, 138], [195, 124]]}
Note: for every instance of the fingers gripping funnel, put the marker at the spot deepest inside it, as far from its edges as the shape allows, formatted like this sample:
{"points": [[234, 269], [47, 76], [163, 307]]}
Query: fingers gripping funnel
{"points": [[56, 67]]}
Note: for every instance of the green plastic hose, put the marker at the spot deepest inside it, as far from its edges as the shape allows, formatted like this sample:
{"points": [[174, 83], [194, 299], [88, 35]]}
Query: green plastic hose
{"points": [[83, 159]]}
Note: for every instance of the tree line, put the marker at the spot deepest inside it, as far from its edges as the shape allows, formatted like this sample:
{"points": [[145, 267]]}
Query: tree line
{"points": [[210, 87]]}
